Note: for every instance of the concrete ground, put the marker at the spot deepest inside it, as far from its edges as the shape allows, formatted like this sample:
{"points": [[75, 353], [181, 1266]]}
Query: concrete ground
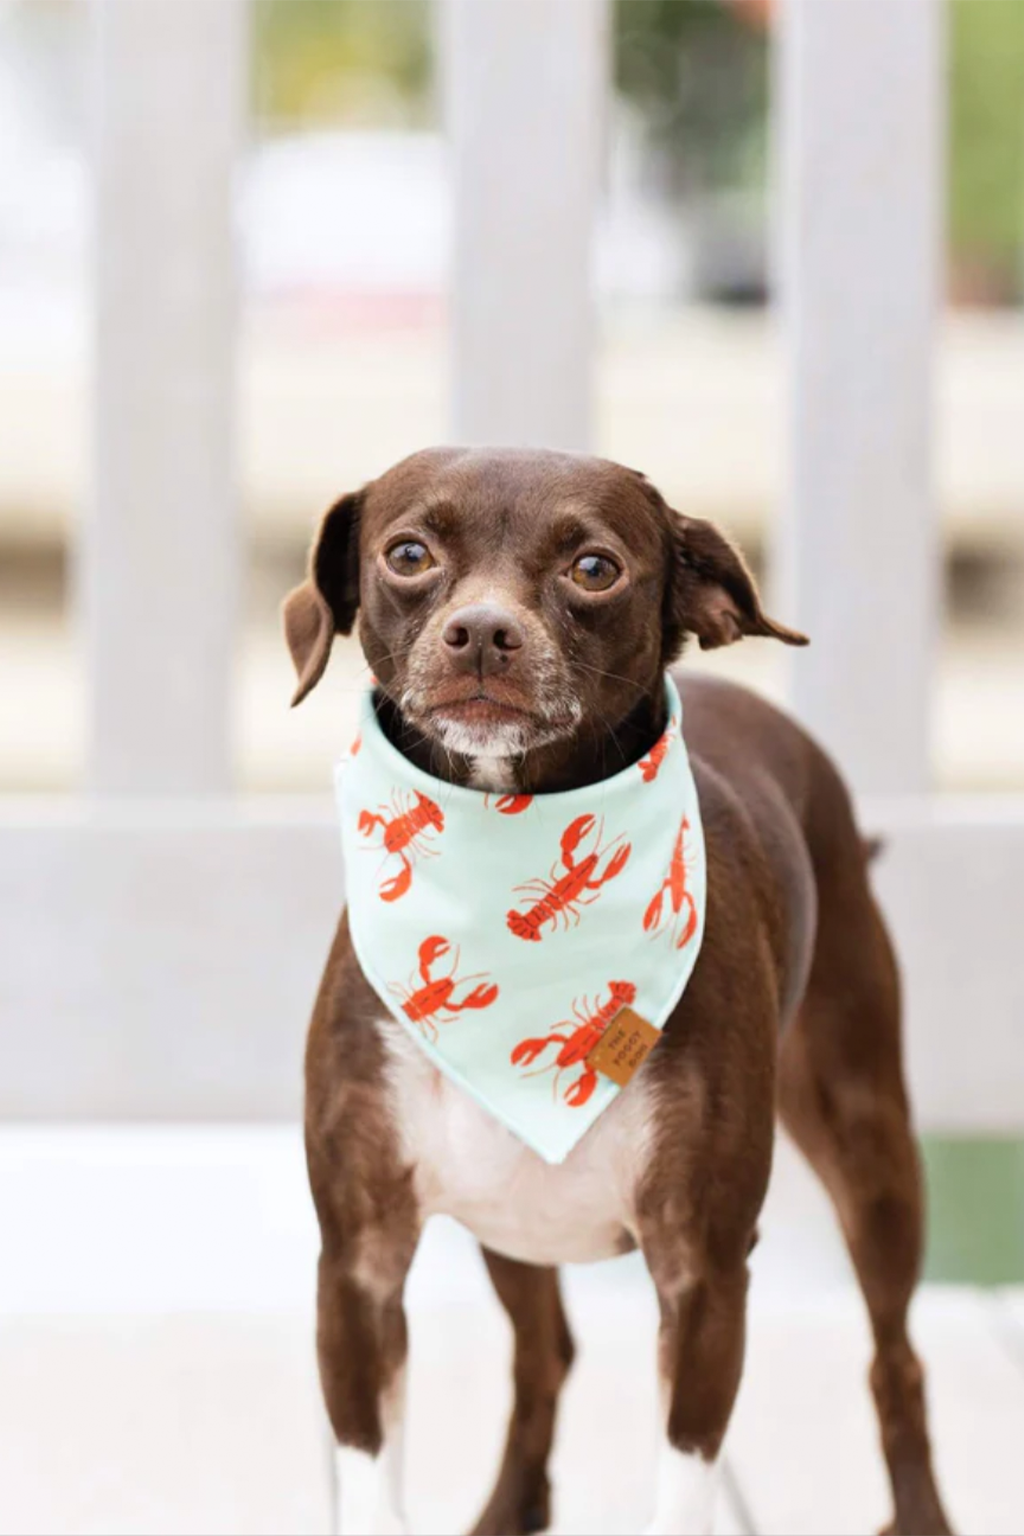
{"points": [[157, 1374]]}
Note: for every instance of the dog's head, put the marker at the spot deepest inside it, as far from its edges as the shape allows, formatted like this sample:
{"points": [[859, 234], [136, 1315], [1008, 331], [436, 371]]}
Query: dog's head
{"points": [[507, 599]]}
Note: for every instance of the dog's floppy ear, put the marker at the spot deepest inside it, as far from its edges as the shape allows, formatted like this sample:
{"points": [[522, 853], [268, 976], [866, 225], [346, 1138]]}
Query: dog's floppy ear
{"points": [[327, 601], [710, 593]]}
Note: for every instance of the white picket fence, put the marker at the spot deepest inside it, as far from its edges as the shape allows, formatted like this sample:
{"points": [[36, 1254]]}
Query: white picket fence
{"points": [[162, 938]]}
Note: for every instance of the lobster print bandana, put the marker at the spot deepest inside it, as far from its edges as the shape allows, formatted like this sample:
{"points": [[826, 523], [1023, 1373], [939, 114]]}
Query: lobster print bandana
{"points": [[532, 946]]}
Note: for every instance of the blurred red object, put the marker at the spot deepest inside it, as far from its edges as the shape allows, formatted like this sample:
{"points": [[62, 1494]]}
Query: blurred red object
{"points": [[757, 12]]}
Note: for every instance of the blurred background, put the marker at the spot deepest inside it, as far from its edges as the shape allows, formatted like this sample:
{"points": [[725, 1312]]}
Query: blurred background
{"points": [[161, 932], [344, 227]]}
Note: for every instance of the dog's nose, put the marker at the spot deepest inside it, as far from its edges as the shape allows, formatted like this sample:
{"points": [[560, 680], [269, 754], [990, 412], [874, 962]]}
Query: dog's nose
{"points": [[482, 638]]}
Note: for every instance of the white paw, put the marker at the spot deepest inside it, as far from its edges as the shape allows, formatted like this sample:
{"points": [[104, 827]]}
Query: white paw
{"points": [[386, 1522], [687, 1486], [390, 1523], [656, 1528], [368, 1503]]}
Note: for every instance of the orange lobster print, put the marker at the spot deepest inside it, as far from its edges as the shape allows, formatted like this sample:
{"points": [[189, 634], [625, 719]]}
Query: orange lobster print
{"points": [[680, 897], [576, 1038], [510, 805], [650, 764], [405, 826], [430, 1000], [571, 885]]}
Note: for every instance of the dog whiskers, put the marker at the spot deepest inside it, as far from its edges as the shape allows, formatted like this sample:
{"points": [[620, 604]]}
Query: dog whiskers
{"points": [[614, 676]]}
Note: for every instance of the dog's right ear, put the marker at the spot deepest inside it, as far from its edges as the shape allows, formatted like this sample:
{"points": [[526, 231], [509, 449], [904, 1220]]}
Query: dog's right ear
{"points": [[327, 601]]}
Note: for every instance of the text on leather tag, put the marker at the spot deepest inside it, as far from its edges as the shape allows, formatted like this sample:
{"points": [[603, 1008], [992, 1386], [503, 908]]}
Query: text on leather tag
{"points": [[624, 1046]]}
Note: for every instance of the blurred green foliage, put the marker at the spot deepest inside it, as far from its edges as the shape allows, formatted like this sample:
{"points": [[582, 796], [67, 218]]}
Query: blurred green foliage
{"points": [[698, 72], [975, 1209], [313, 58], [986, 140]]}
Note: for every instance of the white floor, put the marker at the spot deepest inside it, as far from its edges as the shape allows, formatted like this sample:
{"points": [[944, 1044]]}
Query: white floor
{"points": [[156, 1367]]}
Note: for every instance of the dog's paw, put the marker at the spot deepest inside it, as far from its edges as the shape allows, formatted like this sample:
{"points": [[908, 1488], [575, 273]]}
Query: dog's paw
{"points": [[656, 1529], [937, 1526], [516, 1510], [386, 1523], [390, 1524]]}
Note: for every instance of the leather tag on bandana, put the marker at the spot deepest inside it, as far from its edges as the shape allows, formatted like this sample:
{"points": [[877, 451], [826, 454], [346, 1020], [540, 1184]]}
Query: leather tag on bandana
{"points": [[624, 1046]]}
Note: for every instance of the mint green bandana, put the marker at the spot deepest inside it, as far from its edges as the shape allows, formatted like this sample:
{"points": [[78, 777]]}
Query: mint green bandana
{"points": [[531, 945]]}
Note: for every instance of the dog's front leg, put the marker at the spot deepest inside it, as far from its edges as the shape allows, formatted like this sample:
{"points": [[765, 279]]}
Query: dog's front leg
{"points": [[362, 1347], [363, 1188], [700, 1358]]}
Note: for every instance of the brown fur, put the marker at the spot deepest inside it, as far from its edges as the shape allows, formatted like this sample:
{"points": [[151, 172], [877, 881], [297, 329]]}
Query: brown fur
{"points": [[795, 951], [543, 1355]]}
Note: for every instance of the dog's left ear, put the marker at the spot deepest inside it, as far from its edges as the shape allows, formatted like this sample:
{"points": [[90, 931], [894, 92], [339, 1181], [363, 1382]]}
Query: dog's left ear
{"points": [[710, 593], [326, 603]]}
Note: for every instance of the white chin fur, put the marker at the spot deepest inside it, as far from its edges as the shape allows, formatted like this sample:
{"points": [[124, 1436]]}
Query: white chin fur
{"points": [[507, 739]]}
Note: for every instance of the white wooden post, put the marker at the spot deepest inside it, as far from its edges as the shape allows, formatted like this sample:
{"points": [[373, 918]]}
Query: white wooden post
{"points": [[526, 88], [859, 90], [158, 569]]}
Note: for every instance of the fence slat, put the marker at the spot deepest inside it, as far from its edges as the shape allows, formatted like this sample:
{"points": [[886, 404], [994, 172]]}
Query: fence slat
{"points": [[525, 88], [158, 563], [860, 148]]}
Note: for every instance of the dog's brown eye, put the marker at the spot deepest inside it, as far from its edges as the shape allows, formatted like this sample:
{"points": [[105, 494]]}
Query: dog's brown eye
{"points": [[409, 558], [595, 573]]}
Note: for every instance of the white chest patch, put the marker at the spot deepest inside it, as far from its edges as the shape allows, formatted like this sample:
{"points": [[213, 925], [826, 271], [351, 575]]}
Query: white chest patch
{"points": [[471, 1167]]}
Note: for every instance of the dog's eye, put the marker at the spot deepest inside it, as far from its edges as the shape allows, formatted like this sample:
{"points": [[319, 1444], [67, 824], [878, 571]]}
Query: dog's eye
{"points": [[409, 558], [595, 573]]}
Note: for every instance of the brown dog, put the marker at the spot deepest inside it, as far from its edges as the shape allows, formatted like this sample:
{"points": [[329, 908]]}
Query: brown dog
{"points": [[518, 610]]}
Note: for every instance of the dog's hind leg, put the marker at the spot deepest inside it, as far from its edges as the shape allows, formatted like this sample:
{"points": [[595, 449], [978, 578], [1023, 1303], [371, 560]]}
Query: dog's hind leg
{"points": [[843, 1100], [521, 1499]]}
